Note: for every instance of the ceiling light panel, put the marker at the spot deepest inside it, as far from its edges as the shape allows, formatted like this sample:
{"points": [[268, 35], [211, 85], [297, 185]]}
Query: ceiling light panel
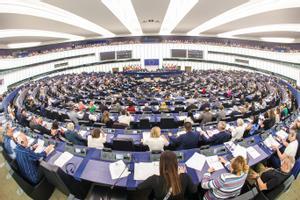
{"points": [[278, 39], [6, 33], [44, 10], [23, 45], [261, 29], [124, 11], [245, 10], [176, 11]]}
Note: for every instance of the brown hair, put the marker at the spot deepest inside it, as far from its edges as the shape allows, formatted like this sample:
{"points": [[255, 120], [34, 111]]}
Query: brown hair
{"points": [[168, 168], [105, 117], [96, 133], [239, 165]]}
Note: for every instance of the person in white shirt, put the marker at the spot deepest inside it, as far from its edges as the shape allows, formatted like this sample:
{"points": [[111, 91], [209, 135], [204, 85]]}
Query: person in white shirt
{"points": [[96, 139], [238, 132], [291, 148], [124, 118], [156, 141]]}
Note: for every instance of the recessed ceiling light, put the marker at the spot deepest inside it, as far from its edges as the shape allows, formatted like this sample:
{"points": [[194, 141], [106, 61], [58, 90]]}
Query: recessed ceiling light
{"points": [[44, 10], [5, 33], [261, 29], [23, 45], [247, 9], [278, 39], [177, 9], [124, 11]]}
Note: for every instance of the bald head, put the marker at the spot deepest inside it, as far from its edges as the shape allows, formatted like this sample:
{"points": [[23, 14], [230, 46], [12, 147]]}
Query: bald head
{"points": [[22, 140]]}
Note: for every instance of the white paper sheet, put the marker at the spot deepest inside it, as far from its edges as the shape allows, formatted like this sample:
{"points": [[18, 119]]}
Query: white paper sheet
{"points": [[282, 134], [213, 162], [143, 170], [253, 153], [240, 151], [180, 133], [40, 146], [82, 133], [118, 170], [270, 141], [63, 159], [197, 161]]}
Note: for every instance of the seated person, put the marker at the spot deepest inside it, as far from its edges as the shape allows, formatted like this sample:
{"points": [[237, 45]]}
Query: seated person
{"points": [[206, 116], [131, 108], [156, 141], [124, 118], [9, 143], [147, 108], [72, 136], [235, 111], [226, 185], [39, 126], [163, 107], [55, 132], [267, 179], [189, 140], [105, 119], [238, 132], [291, 148], [28, 160], [218, 138], [172, 183], [221, 114], [81, 107], [96, 139], [92, 107]]}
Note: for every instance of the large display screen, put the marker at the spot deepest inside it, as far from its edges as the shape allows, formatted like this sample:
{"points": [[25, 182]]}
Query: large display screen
{"points": [[198, 54], [151, 62], [178, 53], [107, 55], [127, 54]]}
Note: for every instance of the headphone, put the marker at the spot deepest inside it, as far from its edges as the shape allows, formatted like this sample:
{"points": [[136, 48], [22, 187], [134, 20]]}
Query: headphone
{"points": [[70, 168]]}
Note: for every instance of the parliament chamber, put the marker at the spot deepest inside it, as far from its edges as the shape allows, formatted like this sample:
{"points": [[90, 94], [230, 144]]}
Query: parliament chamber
{"points": [[138, 115]]}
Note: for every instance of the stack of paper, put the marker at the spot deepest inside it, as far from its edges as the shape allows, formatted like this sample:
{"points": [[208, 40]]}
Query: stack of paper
{"points": [[270, 141], [180, 133], [253, 153], [196, 162], [213, 162], [63, 159], [118, 170], [240, 151], [144, 170], [40, 146], [282, 134], [146, 135]]}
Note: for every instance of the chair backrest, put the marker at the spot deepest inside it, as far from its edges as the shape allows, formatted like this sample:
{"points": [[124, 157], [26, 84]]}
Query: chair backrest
{"points": [[296, 169], [123, 144], [167, 123], [51, 173], [275, 193], [117, 125], [145, 124]]}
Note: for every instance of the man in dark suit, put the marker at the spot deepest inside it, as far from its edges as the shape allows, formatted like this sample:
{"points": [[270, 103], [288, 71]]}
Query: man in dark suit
{"points": [[219, 138], [189, 140]]}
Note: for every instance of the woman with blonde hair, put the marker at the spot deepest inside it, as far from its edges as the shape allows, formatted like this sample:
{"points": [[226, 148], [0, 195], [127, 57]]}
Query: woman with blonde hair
{"points": [[163, 107], [156, 141], [227, 185]]}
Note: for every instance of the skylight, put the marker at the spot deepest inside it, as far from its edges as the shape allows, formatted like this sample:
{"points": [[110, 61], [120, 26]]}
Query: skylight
{"points": [[124, 11], [23, 45], [177, 9], [278, 39]]}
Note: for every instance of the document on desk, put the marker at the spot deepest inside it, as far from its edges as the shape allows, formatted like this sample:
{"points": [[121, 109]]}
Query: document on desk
{"points": [[240, 151], [63, 159], [270, 141], [146, 135], [40, 146], [196, 162], [82, 133], [118, 170], [253, 153], [213, 162], [282, 134], [143, 170], [182, 118]]}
